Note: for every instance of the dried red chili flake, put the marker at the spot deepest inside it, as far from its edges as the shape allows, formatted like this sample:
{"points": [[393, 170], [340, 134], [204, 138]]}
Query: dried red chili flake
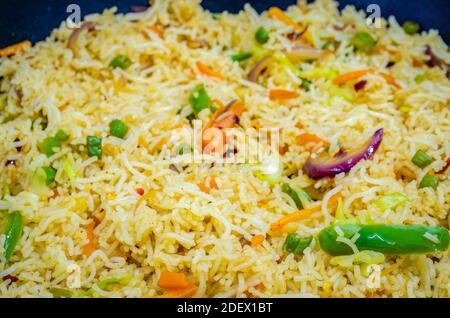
{"points": [[140, 191], [12, 279]]}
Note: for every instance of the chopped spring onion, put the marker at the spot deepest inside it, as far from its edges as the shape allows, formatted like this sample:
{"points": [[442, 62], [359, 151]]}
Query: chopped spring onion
{"points": [[48, 145], [241, 56], [391, 201], [38, 184], [429, 182], [363, 257], [363, 42], [261, 35], [295, 244], [94, 146], [118, 128], [199, 99], [300, 197], [13, 226], [421, 159], [121, 61], [50, 174], [104, 284], [411, 27], [183, 149]]}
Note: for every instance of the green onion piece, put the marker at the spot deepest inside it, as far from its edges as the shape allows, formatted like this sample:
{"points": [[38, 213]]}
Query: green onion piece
{"points": [[3, 98], [183, 149], [241, 56], [363, 42], [38, 184], [61, 135], [121, 61], [261, 35], [199, 99], [411, 27], [429, 181], [105, 283], [295, 244], [61, 292], [50, 174], [94, 146], [13, 232], [48, 145], [421, 159], [420, 78], [118, 128], [306, 84], [391, 201], [68, 169]]}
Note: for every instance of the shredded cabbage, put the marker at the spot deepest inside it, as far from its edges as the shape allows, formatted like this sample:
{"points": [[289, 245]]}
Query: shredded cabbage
{"points": [[363, 257], [270, 169], [105, 283], [38, 183], [68, 169], [391, 201]]}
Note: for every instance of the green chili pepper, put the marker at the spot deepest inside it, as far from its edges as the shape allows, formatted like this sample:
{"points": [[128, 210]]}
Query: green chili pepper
{"points": [[363, 42], [50, 174], [300, 197], [199, 99], [261, 35], [13, 232], [295, 244], [385, 238], [411, 27], [118, 128], [121, 61], [241, 56], [94, 146]]}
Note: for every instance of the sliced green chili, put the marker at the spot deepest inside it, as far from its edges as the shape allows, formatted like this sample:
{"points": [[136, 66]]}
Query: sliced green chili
{"points": [[296, 244], [13, 232]]}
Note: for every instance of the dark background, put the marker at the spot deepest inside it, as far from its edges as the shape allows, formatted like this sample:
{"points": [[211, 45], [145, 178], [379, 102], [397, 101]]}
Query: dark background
{"points": [[33, 20]]}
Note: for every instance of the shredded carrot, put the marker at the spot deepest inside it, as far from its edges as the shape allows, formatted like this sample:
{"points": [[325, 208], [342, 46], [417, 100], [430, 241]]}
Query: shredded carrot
{"points": [[302, 214], [306, 139], [170, 280], [390, 80], [207, 188], [277, 13], [161, 143], [282, 94], [263, 201], [155, 28], [237, 108], [212, 183], [386, 49], [219, 111], [353, 75], [226, 122], [90, 246], [13, 49], [186, 292], [257, 240], [206, 70]]}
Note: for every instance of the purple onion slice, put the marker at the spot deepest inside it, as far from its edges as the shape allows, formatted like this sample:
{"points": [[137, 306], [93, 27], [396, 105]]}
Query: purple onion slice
{"points": [[259, 68], [71, 42], [326, 166]]}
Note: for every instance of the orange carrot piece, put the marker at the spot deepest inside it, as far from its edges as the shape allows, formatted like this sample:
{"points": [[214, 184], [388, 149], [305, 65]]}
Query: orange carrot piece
{"points": [[349, 76], [186, 292], [257, 240], [170, 280], [90, 246], [206, 70], [277, 13], [282, 94], [226, 122], [213, 184], [13, 49], [390, 80], [237, 108], [306, 138], [302, 214], [155, 28]]}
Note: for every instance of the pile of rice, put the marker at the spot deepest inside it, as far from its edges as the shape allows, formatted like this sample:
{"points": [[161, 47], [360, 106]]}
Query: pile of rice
{"points": [[182, 228]]}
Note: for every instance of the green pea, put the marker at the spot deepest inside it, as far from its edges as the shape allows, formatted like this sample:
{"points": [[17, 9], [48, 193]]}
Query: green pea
{"points": [[121, 61], [118, 128], [261, 35], [363, 42], [411, 27]]}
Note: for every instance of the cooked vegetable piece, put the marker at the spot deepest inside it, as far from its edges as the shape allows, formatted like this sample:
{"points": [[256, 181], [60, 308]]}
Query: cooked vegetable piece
{"points": [[241, 56], [421, 159], [411, 27], [300, 197], [50, 174], [3, 100], [261, 35], [48, 145], [296, 244], [270, 169], [257, 240], [170, 280], [363, 257], [94, 146], [420, 78], [275, 94], [363, 42], [325, 165], [61, 292], [259, 68], [61, 135], [206, 70], [15, 48], [38, 184], [385, 238], [199, 99], [13, 226], [391, 201], [306, 84], [183, 149], [121, 61], [429, 181], [104, 284], [118, 128]]}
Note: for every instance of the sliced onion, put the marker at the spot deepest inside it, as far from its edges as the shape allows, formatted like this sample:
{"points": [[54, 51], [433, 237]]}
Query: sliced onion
{"points": [[259, 68], [300, 53], [71, 43], [137, 9], [326, 166]]}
